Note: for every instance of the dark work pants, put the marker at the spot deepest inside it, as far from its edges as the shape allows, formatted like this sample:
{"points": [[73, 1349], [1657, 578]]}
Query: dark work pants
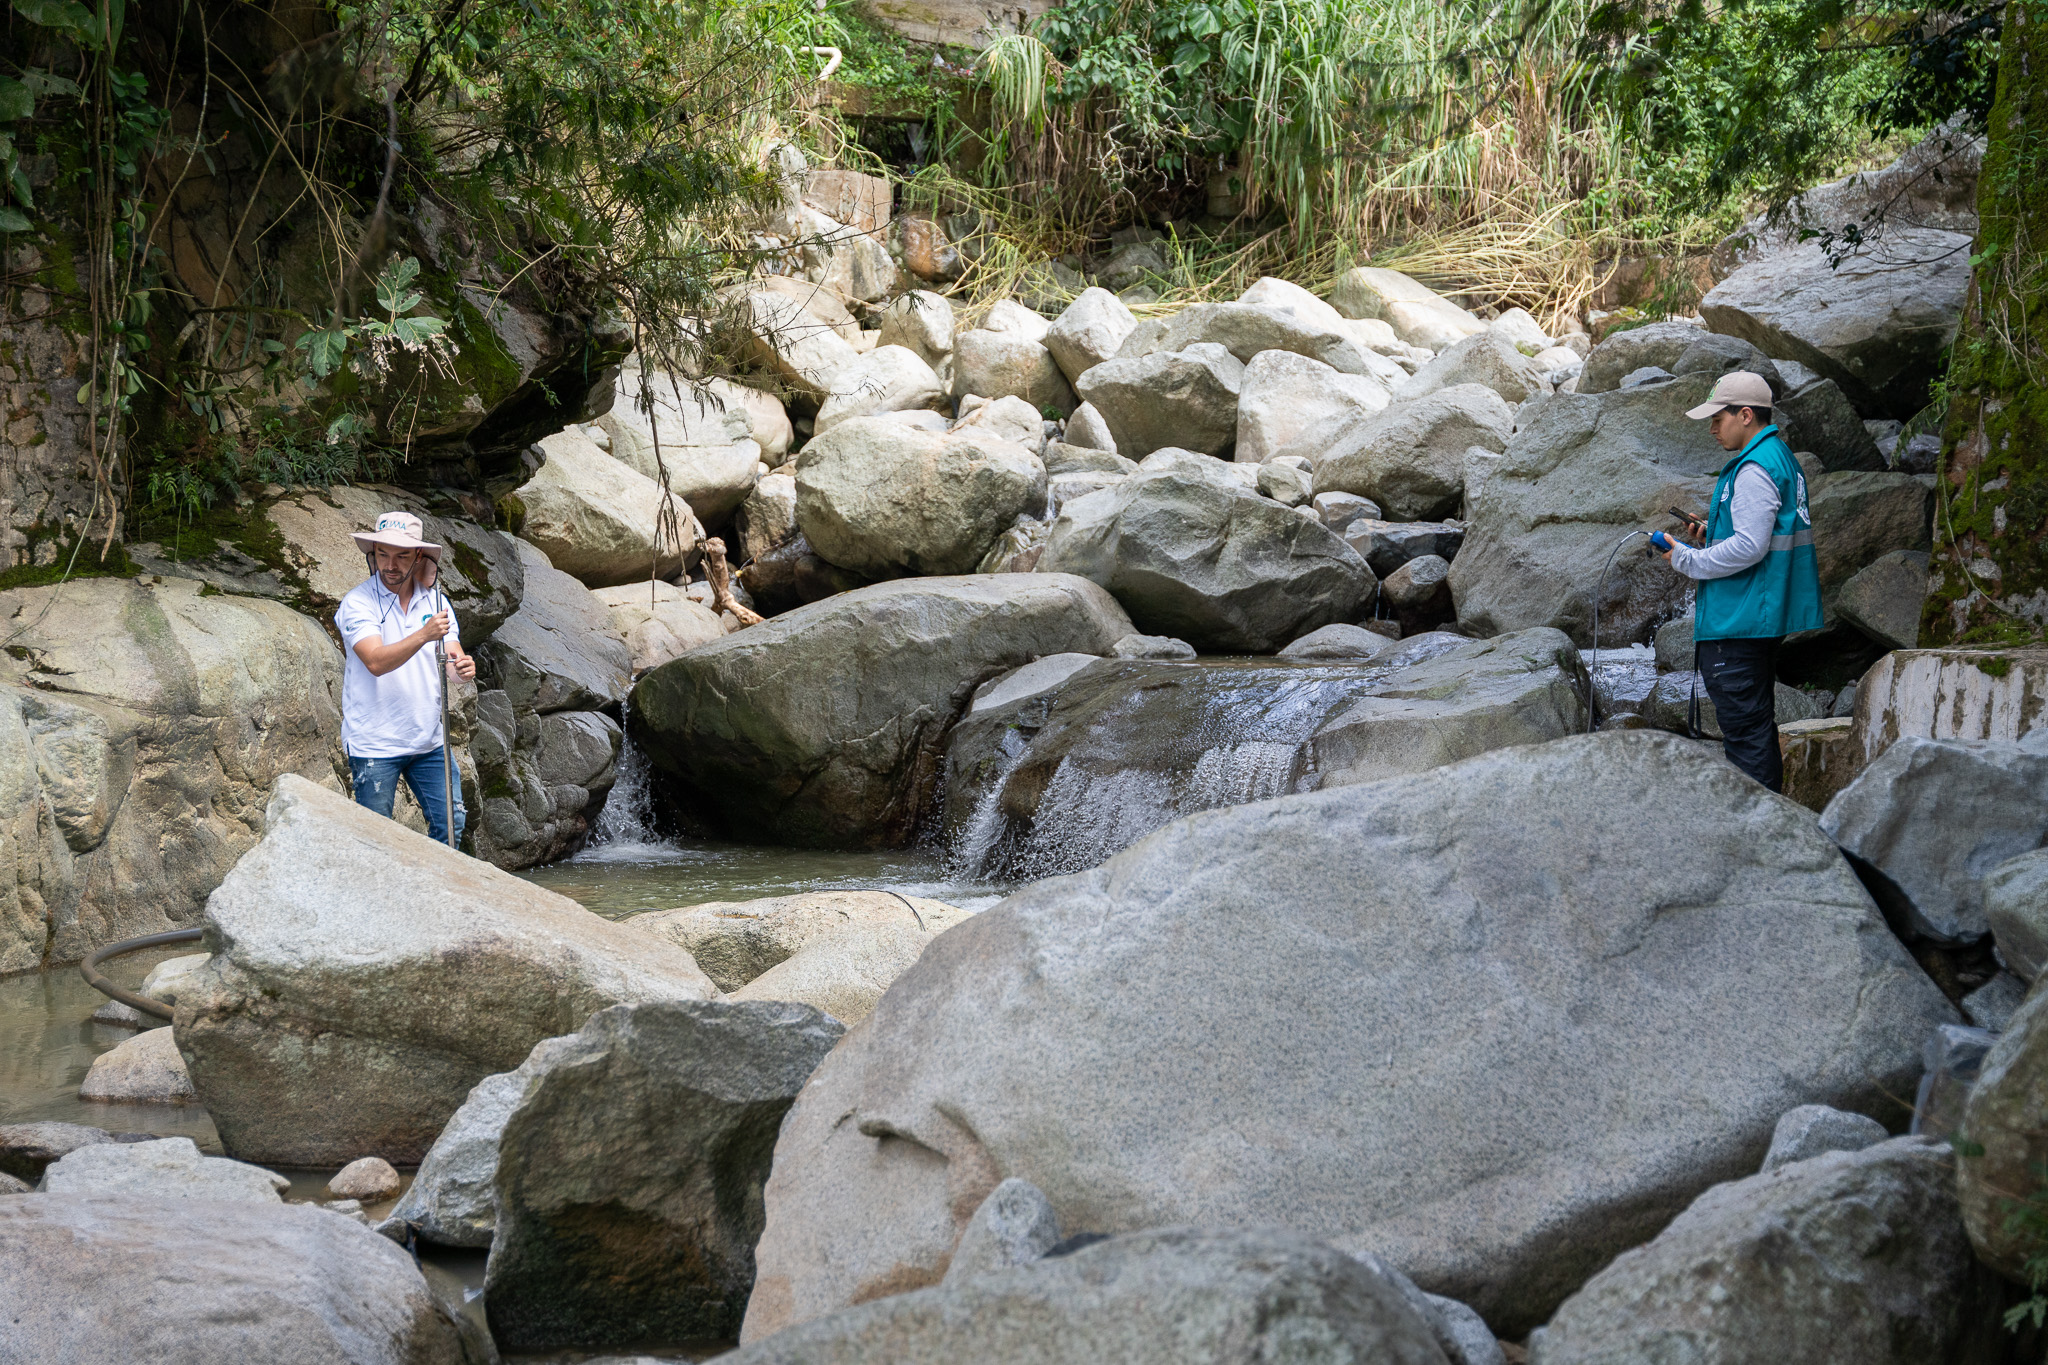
{"points": [[1742, 678]]}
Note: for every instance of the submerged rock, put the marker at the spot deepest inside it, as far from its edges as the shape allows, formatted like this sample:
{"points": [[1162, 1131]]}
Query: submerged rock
{"points": [[1057, 781], [1847, 1256], [1176, 1296], [307, 1036], [105, 1279], [146, 1069], [630, 1172], [822, 726], [1400, 1017]]}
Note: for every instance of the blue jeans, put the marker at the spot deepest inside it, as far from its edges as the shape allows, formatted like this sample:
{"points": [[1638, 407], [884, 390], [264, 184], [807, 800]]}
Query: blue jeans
{"points": [[376, 784]]}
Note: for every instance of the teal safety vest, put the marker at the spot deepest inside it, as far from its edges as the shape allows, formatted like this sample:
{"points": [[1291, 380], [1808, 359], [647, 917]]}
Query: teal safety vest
{"points": [[1778, 595]]}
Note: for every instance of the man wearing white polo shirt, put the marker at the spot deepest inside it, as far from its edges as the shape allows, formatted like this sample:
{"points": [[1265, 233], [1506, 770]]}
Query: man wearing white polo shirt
{"points": [[391, 702]]}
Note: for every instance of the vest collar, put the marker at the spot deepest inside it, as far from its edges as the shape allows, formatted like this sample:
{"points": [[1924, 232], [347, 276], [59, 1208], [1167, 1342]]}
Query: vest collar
{"points": [[1739, 456]]}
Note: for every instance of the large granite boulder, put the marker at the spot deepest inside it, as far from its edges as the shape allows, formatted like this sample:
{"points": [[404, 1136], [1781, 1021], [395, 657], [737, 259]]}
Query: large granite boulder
{"points": [[881, 498], [922, 323], [1930, 818], [1877, 324], [560, 651], [1932, 184], [2016, 908], [701, 435], [1846, 1256], [595, 518], [1288, 404], [999, 364], [1410, 459], [1058, 780], [1884, 598], [1091, 330], [305, 1034], [659, 620], [886, 379], [451, 1200], [767, 518], [630, 1173], [1581, 472], [1486, 358], [736, 941], [1186, 399], [1859, 517], [801, 351], [1534, 1016], [1174, 1296], [1679, 348], [142, 723], [1418, 314], [123, 1278], [1818, 417], [168, 1168], [1221, 567], [823, 726]]}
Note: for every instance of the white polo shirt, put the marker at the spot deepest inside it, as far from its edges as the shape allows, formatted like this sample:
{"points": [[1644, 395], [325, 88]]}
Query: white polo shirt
{"points": [[399, 714]]}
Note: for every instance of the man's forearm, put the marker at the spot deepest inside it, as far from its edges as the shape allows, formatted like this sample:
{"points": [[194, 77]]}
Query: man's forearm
{"points": [[381, 658]]}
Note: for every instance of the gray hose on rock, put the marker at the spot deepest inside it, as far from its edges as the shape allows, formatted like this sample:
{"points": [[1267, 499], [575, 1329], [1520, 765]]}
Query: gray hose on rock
{"points": [[89, 968]]}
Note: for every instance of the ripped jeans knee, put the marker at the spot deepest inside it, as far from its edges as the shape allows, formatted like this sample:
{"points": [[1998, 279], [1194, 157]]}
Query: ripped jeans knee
{"points": [[375, 781]]}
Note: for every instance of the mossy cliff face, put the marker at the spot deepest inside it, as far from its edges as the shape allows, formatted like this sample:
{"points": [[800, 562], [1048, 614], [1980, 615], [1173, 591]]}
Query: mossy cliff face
{"points": [[1990, 575]]}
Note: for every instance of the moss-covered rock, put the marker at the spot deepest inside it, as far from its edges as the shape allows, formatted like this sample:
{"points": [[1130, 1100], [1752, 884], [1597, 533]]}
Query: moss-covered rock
{"points": [[1990, 579]]}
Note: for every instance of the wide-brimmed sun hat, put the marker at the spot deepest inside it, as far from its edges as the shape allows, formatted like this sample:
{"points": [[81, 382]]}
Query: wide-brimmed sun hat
{"points": [[401, 529], [1735, 389]]}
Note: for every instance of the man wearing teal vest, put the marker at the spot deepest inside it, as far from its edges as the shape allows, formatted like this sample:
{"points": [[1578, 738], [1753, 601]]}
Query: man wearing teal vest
{"points": [[1759, 579]]}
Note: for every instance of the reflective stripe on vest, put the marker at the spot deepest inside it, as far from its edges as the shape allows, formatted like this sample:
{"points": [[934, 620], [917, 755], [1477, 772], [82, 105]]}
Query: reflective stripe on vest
{"points": [[1778, 595]]}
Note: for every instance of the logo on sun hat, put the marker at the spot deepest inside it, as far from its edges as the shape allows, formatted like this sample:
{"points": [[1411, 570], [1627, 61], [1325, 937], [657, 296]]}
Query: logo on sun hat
{"points": [[402, 530], [1735, 389]]}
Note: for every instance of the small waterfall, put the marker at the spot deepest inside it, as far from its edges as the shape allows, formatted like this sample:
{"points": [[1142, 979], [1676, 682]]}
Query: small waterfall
{"points": [[1088, 813], [626, 826], [975, 851]]}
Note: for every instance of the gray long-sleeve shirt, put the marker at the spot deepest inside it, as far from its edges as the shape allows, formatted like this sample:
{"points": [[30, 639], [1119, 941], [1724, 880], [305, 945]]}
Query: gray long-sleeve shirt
{"points": [[1753, 511]]}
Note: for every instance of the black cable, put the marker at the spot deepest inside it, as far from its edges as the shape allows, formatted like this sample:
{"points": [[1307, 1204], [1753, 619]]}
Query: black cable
{"points": [[1593, 701]]}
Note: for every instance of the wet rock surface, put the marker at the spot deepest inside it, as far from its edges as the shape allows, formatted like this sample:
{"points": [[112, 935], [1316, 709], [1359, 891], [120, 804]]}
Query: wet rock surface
{"points": [[846, 701], [1058, 781]]}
